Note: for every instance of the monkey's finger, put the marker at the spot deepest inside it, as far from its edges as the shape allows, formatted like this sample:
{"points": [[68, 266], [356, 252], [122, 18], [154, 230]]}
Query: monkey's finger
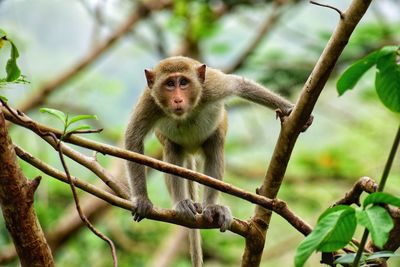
{"points": [[208, 215], [192, 209], [199, 208]]}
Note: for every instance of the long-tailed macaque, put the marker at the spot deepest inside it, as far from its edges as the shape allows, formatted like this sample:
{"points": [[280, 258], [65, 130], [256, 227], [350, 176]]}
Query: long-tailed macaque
{"points": [[184, 104]]}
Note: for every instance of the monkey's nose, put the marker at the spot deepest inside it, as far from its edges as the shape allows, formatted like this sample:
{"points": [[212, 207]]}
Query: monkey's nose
{"points": [[178, 100]]}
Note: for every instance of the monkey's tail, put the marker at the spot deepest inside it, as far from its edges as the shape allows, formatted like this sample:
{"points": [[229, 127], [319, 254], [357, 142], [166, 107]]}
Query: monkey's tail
{"points": [[196, 252]]}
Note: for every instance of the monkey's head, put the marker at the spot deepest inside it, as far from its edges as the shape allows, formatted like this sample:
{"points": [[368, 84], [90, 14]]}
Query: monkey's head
{"points": [[176, 85]]}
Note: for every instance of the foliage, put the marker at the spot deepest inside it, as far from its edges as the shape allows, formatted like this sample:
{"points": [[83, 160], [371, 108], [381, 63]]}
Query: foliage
{"points": [[336, 226], [69, 122], [12, 69], [387, 77]]}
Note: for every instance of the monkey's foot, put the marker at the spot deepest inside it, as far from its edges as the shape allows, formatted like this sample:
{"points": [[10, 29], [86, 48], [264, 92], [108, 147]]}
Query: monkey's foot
{"points": [[141, 207], [220, 214], [188, 207]]}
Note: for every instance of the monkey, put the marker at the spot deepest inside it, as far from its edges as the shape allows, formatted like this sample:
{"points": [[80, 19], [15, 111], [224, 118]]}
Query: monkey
{"points": [[183, 103]]}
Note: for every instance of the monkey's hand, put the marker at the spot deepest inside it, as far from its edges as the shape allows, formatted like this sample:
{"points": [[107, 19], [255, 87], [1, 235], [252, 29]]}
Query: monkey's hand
{"points": [[141, 207], [220, 214], [188, 208], [283, 117]]}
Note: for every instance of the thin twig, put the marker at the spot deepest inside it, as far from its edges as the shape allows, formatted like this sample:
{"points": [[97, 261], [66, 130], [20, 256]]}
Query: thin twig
{"points": [[74, 193], [381, 186], [328, 6], [80, 212]]}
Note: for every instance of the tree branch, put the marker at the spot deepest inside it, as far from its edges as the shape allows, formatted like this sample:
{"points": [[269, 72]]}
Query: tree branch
{"points": [[364, 184], [16, 201], [292, 126], [276, 205], [164, 215]]}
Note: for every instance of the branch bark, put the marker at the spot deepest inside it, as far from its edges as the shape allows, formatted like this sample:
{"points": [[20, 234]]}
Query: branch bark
{"points": [[16, 200], [292, 126], [274, 204]]}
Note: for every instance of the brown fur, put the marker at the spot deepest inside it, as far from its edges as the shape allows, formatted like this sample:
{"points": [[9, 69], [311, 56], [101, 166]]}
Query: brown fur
{"points": [[183, 103]]}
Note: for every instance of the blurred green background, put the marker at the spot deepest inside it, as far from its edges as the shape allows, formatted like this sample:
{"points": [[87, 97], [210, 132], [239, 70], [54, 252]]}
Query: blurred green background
{"points": [[350, 137]]}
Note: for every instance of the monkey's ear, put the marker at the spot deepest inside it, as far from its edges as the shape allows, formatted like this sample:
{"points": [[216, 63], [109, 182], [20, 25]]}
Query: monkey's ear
{"points": [[201, 72], [149, 77]]}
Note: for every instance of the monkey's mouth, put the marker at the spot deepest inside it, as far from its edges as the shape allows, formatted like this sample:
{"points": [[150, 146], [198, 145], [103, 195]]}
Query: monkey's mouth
{"points": [[179, 110]]}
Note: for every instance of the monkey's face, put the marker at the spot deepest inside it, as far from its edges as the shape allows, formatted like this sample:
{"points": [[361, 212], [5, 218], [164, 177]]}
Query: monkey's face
{"points": [[177, 94]]}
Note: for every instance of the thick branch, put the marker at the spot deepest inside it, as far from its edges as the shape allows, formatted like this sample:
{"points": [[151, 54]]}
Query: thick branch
{"points": [[16, 201], [276, 205], [292, 126], [164, 215]]}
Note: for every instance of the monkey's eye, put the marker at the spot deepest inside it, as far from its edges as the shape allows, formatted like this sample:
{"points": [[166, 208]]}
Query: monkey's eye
{"points": [[170, 83], [184, 82]]}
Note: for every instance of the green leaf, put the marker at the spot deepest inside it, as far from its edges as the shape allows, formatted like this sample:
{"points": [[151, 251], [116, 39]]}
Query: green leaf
{"points": [[79, 128], [4, 98], [381, 198], [56, 113], [382, 254], [321, 237], [387, 80], [378, 222], [13, 72], [352, 74], [81, 117], [345, 259]]}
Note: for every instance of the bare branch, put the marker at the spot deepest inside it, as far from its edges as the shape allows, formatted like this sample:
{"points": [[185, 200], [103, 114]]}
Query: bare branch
{"points": [[164, 215], [364, 184], [141, 11], [264, 29], [291, 128], [328, 6]]}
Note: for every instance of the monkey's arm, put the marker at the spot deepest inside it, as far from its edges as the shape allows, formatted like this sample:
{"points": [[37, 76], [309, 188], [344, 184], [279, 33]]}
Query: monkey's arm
{"points": [[257, 93], [140, 124], [219, 85]]}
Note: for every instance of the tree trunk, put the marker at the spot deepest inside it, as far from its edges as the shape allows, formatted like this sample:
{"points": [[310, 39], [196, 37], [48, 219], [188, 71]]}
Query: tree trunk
{"points": [[16, 201]]}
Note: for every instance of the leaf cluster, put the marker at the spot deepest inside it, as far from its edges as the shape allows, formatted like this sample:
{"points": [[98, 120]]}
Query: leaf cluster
{"points": [[69, 123], [336, 227], [387, 75]]}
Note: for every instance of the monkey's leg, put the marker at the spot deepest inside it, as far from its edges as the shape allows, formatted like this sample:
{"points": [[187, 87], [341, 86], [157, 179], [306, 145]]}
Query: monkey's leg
{"points": [[213, 150], [177, 186]]}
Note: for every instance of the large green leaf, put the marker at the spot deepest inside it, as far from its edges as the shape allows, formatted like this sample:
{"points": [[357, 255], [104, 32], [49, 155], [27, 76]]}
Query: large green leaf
{"points": [[378, 222], [322, 237], [382, 254], [381, 198], [353, 73], [387, 80], [341, 233]]}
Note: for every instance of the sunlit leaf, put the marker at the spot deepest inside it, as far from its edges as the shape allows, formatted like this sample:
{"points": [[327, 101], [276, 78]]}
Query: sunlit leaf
{"points": [[378, 222], [381, 198], [81, 117], [56, 113], [3, 98]]}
